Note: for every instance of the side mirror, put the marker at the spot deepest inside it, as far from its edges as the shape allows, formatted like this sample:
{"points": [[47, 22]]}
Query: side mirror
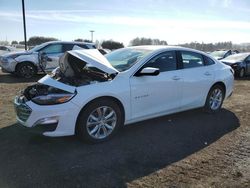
{"points": [[148, 71]]}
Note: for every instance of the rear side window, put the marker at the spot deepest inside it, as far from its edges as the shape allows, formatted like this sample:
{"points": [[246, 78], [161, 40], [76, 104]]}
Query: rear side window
{"points": [[191, 59], [67, 47], [208, 61], [165, 62], [83, 46]]}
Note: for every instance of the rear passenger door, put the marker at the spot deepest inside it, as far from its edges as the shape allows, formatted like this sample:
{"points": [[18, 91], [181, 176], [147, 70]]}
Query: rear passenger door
{"points": [[198, 77]]}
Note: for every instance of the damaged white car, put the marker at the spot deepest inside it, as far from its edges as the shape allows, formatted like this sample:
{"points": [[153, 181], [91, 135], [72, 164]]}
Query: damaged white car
{"points": [[92, 96]]}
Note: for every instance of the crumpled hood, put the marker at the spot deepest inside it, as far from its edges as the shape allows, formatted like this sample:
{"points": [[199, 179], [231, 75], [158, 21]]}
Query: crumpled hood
{"points": [[16, 53], [93, 58], [229, 61], [47, 80]]}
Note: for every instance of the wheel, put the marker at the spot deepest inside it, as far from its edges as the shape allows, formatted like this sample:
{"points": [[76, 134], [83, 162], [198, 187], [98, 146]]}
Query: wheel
{"points": [[242, 73], [214, 99], [99, 121], [26, 70]]}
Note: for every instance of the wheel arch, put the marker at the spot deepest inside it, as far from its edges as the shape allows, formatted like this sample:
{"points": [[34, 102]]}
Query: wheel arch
{"points": [[116, 100], [222, 84], [30, 62]]}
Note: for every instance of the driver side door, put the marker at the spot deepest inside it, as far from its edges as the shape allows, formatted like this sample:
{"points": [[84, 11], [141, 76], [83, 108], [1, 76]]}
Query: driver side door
{"points": [[160, 94], [53, 53]]}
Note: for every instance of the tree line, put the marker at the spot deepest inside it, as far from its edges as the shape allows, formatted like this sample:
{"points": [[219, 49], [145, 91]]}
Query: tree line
{"points": [[112, 45]]}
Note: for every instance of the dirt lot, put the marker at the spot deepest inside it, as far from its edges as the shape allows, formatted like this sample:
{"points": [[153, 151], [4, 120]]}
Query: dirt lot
{"points": [[189, 149]]}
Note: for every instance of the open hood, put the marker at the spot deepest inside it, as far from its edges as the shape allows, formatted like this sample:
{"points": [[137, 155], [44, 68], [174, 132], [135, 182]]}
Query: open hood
{"points": [[91, 58]]}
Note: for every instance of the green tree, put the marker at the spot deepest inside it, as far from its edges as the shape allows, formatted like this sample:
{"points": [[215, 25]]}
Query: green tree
{"points": [[36, 40], [14, 42], [146, 41], [112, 45]]}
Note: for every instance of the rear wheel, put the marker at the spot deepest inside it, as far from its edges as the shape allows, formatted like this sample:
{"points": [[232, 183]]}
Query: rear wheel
{"points": [[99, 121], [26, 70], [215, 99]]}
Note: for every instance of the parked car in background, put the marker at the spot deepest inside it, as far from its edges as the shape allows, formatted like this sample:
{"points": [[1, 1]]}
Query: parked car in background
{"points": [[92, 96], [240, 63], [6, 49], [27, 63], [221, 54]]}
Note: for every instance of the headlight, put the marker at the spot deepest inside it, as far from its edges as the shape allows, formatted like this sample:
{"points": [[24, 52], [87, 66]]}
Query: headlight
{"points": [[52, 99], [4, 60]]}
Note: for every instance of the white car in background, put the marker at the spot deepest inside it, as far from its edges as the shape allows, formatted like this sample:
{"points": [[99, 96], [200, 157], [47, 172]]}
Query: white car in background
{"points": [[43, 57], [92, 96], [6, 49]]}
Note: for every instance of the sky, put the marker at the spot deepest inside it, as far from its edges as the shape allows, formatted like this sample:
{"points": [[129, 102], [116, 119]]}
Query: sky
{"points": [[176, 21]]}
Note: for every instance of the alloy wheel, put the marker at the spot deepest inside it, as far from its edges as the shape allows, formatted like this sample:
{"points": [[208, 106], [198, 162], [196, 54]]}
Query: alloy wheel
{"points": [[216, 99], [101, 122], [27, 71]]}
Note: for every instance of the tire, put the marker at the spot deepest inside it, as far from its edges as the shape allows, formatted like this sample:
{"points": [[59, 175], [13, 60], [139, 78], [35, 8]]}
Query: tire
{"points": [[26, 70], [214, 99], [241, 73], [99, 121]]}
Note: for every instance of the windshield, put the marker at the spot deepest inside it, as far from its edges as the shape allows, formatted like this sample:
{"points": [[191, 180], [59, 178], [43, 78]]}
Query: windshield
{"points": [[125, 58], [38, 47], [218, 53], [237, 57]]}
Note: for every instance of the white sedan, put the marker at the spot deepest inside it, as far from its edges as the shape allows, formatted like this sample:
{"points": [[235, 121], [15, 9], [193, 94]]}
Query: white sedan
{"points": [[92, 96]]}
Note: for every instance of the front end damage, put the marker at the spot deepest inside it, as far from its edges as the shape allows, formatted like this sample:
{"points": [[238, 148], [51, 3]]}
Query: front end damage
{"points": [[49, 102], [46, 110]]}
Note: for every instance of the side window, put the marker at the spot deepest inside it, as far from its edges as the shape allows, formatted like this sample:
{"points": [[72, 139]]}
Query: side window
{"points": [[4, 48], [165, 62], [54, 48], [191, 60], [67, 47], [208, 61], [248, 58]]}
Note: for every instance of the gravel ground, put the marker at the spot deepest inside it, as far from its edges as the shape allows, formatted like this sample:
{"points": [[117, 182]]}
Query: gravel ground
{"points": [[188, 149]]}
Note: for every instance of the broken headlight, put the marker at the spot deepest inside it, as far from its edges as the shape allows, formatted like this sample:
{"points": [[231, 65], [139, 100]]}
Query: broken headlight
{"points": [[51, 99]]}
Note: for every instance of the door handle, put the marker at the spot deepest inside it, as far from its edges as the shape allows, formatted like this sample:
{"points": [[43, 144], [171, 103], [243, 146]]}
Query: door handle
{"points": [[207, 73], [176, 78]]}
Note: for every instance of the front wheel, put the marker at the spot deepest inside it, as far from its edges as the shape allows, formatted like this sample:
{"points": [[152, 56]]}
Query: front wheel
{"points": [[99, 121], [26, 70], [215, 99]]}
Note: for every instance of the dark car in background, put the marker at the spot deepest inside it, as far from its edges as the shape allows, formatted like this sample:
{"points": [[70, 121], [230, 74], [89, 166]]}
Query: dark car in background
{"points": [[221, 54], [240, 63]]}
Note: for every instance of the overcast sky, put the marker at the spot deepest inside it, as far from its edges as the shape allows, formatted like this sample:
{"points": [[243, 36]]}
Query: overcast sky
{"points": [[176, 21]]}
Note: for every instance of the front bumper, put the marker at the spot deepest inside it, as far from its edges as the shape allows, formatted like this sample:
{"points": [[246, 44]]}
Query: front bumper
{"points": [[54, 120], [8, 65]]}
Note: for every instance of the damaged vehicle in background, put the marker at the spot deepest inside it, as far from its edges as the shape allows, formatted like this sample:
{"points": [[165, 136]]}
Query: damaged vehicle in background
{"points": [[92, 96], [26, 64], [221, 54], [240, 63]]}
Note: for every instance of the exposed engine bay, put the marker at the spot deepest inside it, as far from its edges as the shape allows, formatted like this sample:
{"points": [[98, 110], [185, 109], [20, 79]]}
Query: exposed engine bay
{"points": [[40, 90], [74, 71]]}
